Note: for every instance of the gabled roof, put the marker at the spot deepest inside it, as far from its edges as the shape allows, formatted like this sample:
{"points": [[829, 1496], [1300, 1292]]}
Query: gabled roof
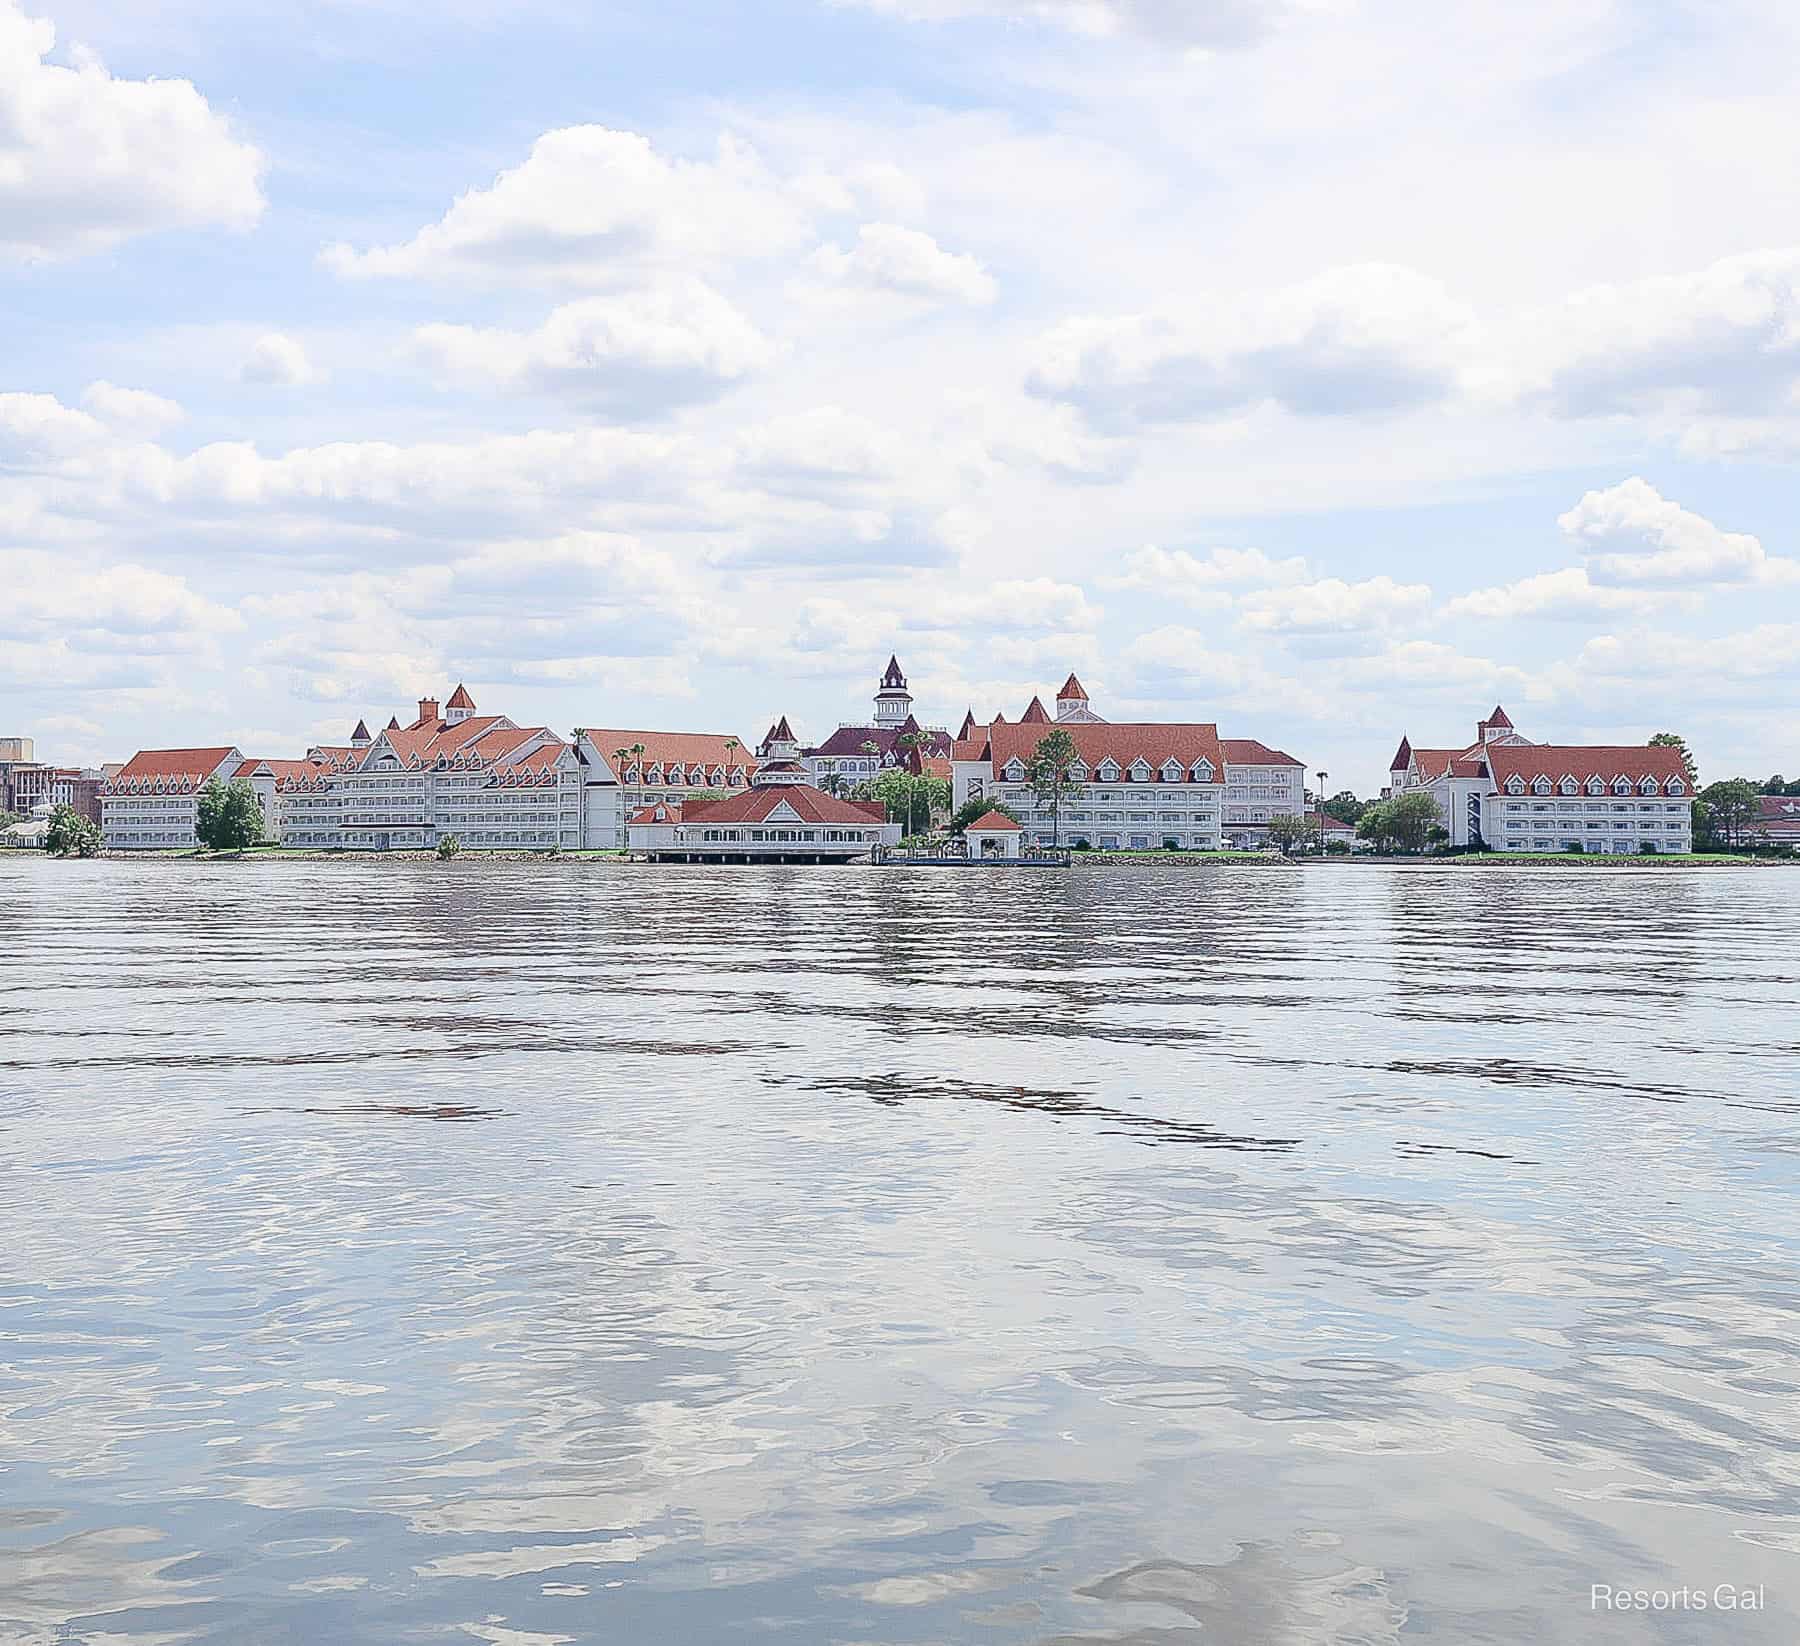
{"points": [[1035, 713], [1124, 742], [393, 724], [460, 699], [781, 731], [1071, 689], [967, 730], [1402, 760], [361, 734], [1608, 762], [677, 748], [993, 823], [1497, 718], [850, 739], [196, 764], [1246, 751], [810, 805]]}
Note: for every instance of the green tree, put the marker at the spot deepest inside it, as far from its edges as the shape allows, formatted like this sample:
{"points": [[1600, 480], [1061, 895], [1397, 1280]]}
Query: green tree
{"points": [[71, 835], [915, 743], [1401, 824], [1345, 807], [1674, 740], [970, 810], [1048, 774], [448, 847], [1733, 806], [229, 817], [1287, 831]]}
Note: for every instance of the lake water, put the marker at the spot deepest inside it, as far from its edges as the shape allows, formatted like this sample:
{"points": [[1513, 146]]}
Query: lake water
{"points": [[542, 1254]]}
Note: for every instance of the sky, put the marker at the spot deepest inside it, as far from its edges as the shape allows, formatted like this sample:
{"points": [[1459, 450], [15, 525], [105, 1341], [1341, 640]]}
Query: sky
{"points": [[1328, 369]]}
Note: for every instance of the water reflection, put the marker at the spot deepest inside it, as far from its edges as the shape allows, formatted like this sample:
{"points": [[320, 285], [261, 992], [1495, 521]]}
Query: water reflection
{"points": [[780, 1254]]}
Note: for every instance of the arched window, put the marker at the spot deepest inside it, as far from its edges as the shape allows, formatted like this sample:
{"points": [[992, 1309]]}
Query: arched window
{"points": [[1647, 786]]}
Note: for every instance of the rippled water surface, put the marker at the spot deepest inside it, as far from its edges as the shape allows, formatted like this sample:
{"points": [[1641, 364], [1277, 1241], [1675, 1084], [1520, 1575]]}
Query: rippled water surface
{"points": [[543, 1254]]}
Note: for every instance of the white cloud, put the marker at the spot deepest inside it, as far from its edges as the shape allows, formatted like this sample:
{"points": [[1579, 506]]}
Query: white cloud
{"points": [[1568, 595], [672, 344], [133, 411], [1023, 603], [1203, 581], [279, 359], [135, 608], [1701, 663], [1333, 606], [1172, 22], [1367, 338], [909, 262], [1722, 340], [1665, 544], [88, 161], [593, 206]]}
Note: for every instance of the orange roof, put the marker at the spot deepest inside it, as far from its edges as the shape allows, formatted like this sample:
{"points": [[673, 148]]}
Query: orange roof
{"points": [[1123, 742], [1246, 751], [810, 805], [677, 748], [1608, 761], [1035, 713], [992, 823], [1071, 688], [198, 764], [460, 699]]}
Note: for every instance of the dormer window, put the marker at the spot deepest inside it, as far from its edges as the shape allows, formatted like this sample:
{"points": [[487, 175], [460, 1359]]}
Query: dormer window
{"points": [[1109, 770], [1203, 771], [1621, 785], [1014, 770], [1541, 786], [1569, 786], [1647, 786], [1140, 771], [1595, 786], [1676, 786], [1078, 771], [1171, 772]]}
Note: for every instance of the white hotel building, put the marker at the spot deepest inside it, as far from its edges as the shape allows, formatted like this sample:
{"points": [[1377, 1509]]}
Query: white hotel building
{"points": [[1508, 795], [1141, 786]]}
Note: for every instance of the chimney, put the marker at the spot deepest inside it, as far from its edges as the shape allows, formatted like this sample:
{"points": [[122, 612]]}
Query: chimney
{"points": [[428, 710]]}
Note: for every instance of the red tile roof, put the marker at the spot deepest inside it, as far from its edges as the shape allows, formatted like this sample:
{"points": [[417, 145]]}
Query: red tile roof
{"points": [[1246, 751], [196, 764], [667, 749], [1035, 713], [850, 739], [810, 805], [460, 699], [1402, 760], [993, 823], [1071, 688], [1607, 761], [1124, 742], [1498, 718], [968, 726]]}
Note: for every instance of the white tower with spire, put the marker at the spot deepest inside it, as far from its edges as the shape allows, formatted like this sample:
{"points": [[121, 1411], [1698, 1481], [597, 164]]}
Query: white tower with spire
{"points": [[893, 702]]}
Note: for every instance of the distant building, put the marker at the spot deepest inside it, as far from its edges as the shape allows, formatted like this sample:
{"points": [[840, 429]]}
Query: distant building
{"points": [[1260, 783], [781, 818], [624, 772], [860, 753], [1509, 795], [1142, 785], [1779, 822], [153, 802]]}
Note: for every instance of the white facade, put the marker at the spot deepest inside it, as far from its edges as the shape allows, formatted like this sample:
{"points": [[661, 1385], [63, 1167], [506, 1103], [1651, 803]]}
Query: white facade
{"points": [[153, 803], [1260, 784]]}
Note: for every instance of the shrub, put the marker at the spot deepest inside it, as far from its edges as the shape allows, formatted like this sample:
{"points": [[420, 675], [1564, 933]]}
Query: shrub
{"points": [[1648, 848], [448, 847], [1573, 848]]}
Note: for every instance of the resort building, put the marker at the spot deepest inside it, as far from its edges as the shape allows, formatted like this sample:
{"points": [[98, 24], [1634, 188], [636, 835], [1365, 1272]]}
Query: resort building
{"points": [[624, 772], [1139, 785], [1260, 783], [153, 801], [860, 753], [1506, 794], [995, 835], [1778, 823], [780, 819]]}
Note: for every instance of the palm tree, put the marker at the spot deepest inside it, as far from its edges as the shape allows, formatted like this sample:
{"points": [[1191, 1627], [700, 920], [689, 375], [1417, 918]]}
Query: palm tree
{"points": [[1048, 775], [1322, 777], [913, 742], [731, 747]]}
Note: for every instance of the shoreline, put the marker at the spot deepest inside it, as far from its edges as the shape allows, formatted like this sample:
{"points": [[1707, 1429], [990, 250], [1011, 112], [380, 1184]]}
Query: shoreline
{"points": [[1109, 860]]}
